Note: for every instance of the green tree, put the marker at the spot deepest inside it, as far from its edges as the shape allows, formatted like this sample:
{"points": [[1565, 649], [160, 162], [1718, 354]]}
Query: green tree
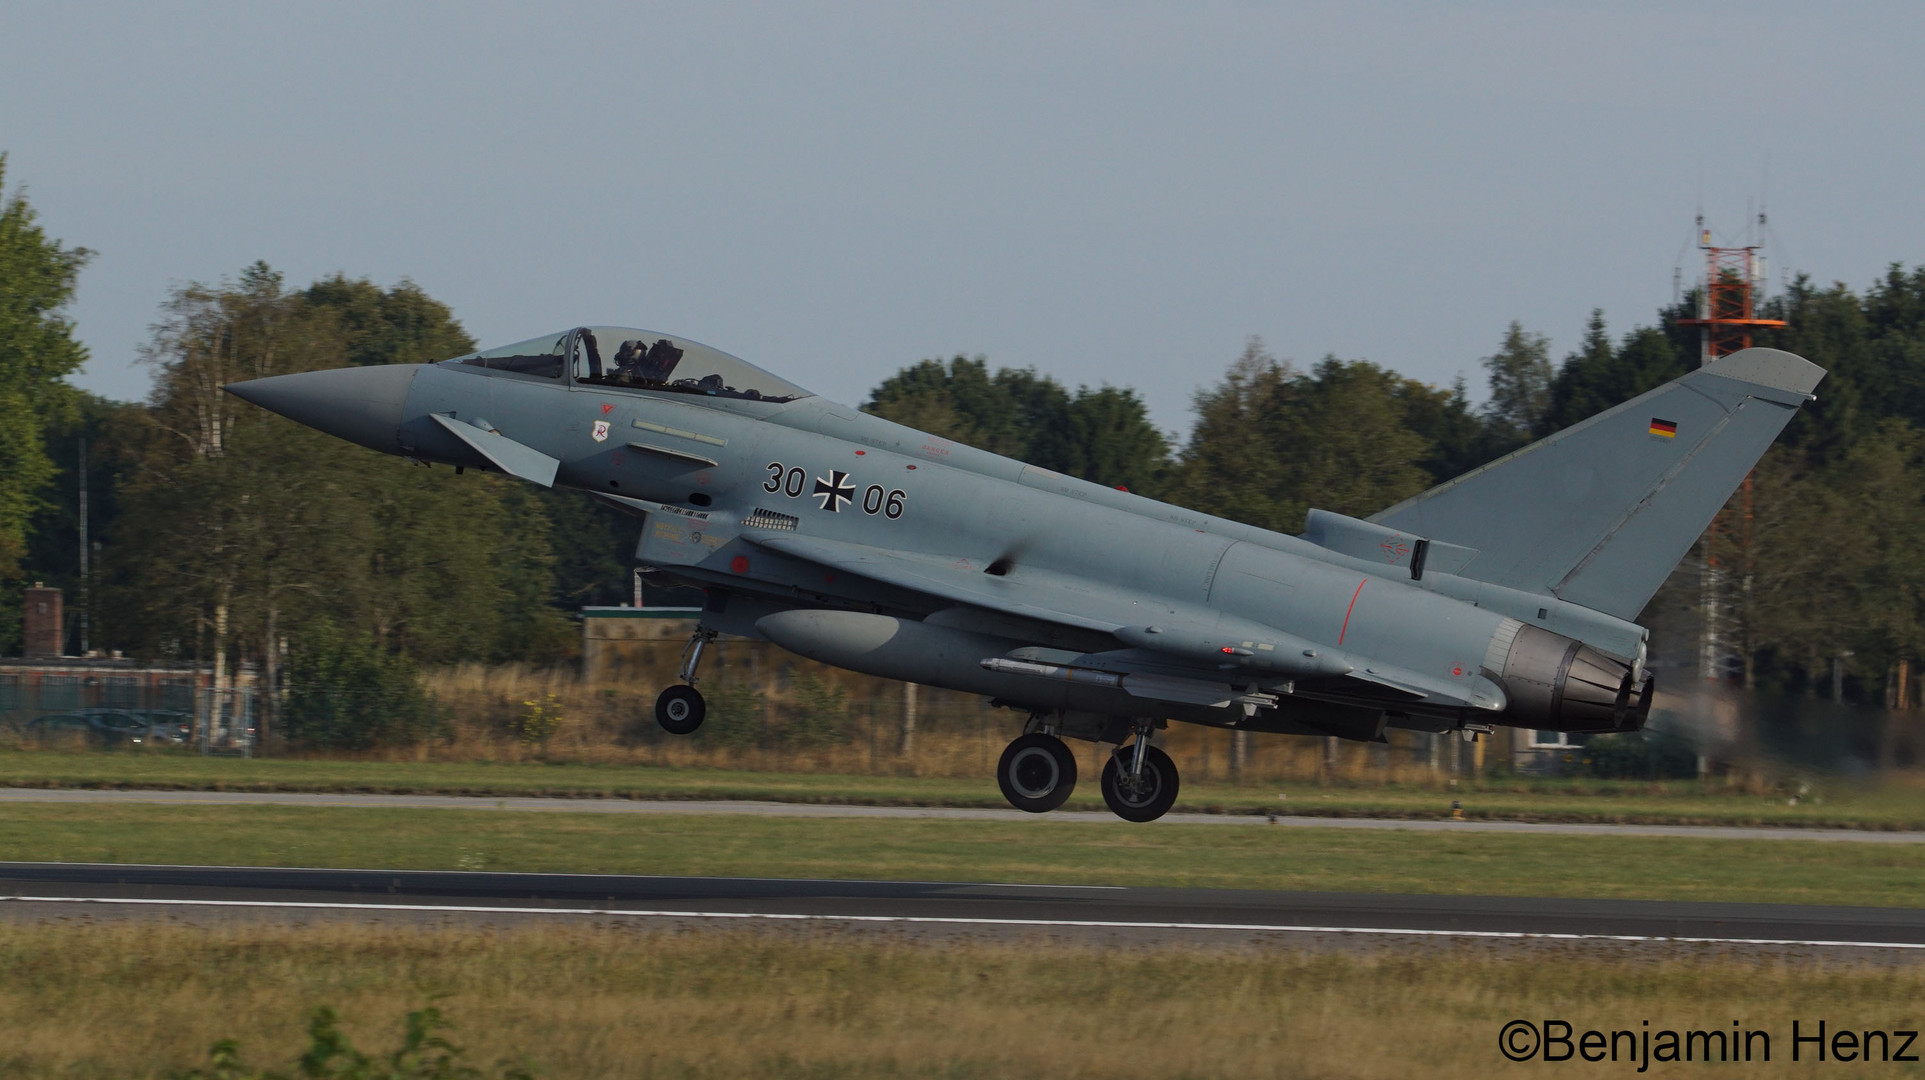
{"points": [[1600, 375], [459, 568], [1831, 328], [1817, 561], [1649, 358], [37, 352], [959, 401], [232, 526], [1443, 418], [53, 540], [1271, 443], [1229, 466], [1588, 382], [347, 692], [1345, 431], [399, 325], [242, 529], [1895, 330], [1103, 435], [1111, 441], [594, 548], [1520, 385], [1830, 558]]}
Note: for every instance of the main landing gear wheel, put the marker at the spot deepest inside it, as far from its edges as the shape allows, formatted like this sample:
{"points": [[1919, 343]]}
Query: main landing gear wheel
{"points": [[680, 709], [1037, 773], [1146, 796]]}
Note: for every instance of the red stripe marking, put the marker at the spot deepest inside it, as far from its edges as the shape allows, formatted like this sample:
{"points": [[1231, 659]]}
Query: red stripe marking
{"points": [[1348, 610]]}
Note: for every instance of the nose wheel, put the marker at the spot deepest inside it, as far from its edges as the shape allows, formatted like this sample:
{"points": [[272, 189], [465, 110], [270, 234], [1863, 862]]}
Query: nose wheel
{"points": [[1037, 773], [681, 709], [1139, 782]]}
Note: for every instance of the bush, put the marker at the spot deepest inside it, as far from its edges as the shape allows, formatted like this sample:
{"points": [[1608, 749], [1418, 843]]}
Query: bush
{"points": [[540, 718], [734, 718], [820, 715], [1642, 755], [740, 718], [425, 1053], [348, 693]]}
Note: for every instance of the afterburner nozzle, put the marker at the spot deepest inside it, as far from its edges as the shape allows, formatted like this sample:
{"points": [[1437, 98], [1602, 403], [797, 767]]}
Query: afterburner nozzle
{"points": [[360, 404]]}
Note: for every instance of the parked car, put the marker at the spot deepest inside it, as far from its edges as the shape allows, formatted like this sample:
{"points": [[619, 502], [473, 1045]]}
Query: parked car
{"points": [[71, 727], [166, 727]]}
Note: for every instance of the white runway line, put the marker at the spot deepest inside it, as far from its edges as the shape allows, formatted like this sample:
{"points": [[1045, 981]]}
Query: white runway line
{"points": [[938, 920]]}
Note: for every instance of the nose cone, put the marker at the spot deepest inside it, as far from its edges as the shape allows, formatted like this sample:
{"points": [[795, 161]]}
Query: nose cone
{"points": [[360, 404]]}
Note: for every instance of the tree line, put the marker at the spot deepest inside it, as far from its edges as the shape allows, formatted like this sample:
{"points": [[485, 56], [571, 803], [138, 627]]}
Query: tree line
{"points": [[226, 534]]}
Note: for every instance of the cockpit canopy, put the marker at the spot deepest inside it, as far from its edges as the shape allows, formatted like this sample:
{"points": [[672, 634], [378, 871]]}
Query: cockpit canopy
{"points": [[623, 356]]}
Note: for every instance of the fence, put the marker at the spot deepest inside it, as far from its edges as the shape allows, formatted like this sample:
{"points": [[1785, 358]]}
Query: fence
{"points": [[28, 692], [226, 720], [219, 719]]}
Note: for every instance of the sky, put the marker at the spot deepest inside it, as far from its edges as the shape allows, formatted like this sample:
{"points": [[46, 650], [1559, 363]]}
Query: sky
{"points": [[1117, 193]]}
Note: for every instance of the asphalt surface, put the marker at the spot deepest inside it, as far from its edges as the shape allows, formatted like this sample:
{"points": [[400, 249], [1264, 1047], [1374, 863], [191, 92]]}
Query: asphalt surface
{"points": [[822, 810], [62, 890]]}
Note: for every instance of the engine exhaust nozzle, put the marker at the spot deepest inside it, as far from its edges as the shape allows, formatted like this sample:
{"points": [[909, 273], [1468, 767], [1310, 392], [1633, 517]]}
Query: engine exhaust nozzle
{"points": [[1561, 684]]}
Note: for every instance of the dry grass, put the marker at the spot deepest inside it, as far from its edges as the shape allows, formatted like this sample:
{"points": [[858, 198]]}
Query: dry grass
{"points": [[613, 723], [958, 735], [131, 1000]]}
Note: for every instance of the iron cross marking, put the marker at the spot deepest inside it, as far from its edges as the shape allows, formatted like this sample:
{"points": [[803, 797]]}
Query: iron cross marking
{"points": [[835, 491]]}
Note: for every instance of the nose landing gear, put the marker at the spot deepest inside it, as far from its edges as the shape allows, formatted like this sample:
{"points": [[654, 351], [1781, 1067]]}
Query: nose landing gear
{"points": [[681, 709]]}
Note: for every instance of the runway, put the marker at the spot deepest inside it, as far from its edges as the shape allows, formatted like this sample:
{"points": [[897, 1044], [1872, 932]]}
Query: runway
{"points": [[62, 890], [949, 813]]}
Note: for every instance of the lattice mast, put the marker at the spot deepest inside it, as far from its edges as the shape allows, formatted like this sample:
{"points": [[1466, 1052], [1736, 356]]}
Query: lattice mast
{"points": [[1727, 297], [1726, 318]]}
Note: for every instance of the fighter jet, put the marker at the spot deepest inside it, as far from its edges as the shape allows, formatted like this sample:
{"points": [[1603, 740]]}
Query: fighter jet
{"points": [[1503, 597]]}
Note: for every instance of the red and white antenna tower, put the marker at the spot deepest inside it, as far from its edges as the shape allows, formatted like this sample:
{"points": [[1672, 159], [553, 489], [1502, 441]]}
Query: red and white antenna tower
{"points": [[1727, 316], [1727, 297]]}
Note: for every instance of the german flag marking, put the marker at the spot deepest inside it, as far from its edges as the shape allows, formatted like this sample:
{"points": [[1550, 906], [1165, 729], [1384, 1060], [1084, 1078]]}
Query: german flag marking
{"points": [[1666, 429]]}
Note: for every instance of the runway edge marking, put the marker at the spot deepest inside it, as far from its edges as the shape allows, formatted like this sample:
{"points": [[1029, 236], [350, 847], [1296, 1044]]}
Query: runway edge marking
{"points": [[1089, 924]]}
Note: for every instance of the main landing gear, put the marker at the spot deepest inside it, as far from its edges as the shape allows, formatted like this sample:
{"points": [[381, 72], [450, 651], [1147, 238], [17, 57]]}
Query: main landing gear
{"points": [[680, 709], [1139, 781], [1037, 772]]}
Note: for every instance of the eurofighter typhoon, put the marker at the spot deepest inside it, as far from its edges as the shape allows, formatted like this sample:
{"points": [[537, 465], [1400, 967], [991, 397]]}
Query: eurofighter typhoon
{"points": [[1504, 596]]}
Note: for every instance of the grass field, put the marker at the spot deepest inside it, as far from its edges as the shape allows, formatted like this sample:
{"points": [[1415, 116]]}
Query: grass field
{"points": [[91, 1002], [1897, 804], [1040, 851]]}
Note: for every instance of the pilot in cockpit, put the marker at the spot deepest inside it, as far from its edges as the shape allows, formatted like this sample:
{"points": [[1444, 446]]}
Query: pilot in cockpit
{"points": [[628, 357], [640, 362]]}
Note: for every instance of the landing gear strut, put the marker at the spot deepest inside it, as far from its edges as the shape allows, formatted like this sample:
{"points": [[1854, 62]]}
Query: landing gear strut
{"points": [[681, 709], [1139, 780], [1037, 773]]}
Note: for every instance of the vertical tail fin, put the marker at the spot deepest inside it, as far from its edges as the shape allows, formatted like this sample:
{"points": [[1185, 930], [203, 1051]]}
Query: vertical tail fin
{"points": [[1601, 512]]}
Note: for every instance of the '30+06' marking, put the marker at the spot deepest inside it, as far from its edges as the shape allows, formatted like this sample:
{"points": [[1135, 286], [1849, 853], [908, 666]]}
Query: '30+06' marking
{"points": [[834, 491]]}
